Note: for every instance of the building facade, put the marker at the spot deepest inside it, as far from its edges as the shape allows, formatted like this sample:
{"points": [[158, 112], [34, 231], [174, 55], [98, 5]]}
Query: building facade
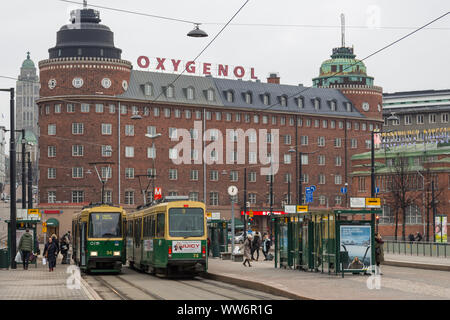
{"points": [[419, 110], [214, 132]]}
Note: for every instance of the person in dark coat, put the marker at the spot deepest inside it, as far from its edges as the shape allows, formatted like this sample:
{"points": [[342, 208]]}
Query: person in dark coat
{"points": [[419, 237], [26, 247], [266, 246], [256, 244], [50, 252], [56, 242], [379, 252], [411, 237], [64, 249]]}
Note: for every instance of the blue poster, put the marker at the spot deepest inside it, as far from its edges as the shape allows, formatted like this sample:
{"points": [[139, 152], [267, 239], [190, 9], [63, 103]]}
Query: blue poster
{"points": [[356, 241]]}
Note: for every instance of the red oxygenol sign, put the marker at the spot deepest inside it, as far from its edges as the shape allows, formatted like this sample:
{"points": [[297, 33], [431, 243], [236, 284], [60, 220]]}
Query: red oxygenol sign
{"points": [[192, 67]]}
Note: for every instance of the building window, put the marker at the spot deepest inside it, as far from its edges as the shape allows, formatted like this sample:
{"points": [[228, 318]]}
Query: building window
{"points": [[356, 125], [238, 117], [210, 95], [47, 109], [51, 151], [248, 98], [321, 160], [77, 150], [107, 196], [317, 104], [252, 157], [194, 175], [266, 99], [187, 114], [361, 184], [234, 176], [287, 139], [283, 101], [287, 159], [77, 172], [190, 93], [338, 161], [107, 128], [322, 200], [274, 120], [214, 175], [321, 141], [70, 108], [316, 123], [77, 196], [57, 108], [112, 108], [51, 173], [230, 96], [129, 173], [106, 151], [172, 133], [304, 159], [288, 177], [408, 119], [84, 107], [333, 105], [252, 176], [304, 140], [255, 118], [213, 198], [300, 102], [198, 114], [413, 215], [77, 128], [282, 121], [106, 172], [338, 200], [148, 89], [99, 108], [354, 143], [51, 129], [156, 112], [348, 106], [444, 117], [129, 152], [247, 118], [129, 197], [170, 92], [51, 196], [337, 142], [193, 196], [252, 198], [218, 116], [173, 153], [338, 179], [305, 178], [321, 178], [341, 124], [368, 144], [324, 124], [173, 174], [432, 118], [151, 130], [208, 115], [167, 112]]}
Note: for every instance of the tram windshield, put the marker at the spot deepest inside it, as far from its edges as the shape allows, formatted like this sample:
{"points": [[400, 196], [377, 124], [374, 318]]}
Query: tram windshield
{"points": [[186, 222], [105, 225]]}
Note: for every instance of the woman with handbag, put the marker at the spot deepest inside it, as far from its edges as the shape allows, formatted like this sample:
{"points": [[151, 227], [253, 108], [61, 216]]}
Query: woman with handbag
{"points": [[50, 252]]}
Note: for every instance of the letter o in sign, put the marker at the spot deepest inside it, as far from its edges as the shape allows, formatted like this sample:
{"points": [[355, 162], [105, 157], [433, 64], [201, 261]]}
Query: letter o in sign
{"points": [[239, 72], [143, 62]]}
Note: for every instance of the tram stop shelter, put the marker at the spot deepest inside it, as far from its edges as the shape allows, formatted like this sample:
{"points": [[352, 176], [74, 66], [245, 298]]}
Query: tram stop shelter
{"points": [[21, 227], [339, 241], [218, 236]]}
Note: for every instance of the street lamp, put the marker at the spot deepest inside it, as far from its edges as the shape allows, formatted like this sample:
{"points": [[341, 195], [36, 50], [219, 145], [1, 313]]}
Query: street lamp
{"points": [[197, 32], [12, 171]]}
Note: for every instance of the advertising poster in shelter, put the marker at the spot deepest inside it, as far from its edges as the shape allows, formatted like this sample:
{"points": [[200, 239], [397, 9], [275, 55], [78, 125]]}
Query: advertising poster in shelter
{"points": [[356, 241], [441, 229]]}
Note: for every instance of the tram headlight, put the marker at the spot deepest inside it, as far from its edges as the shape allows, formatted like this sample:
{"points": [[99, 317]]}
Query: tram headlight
{"points": [[94, 253], [116, 253]]}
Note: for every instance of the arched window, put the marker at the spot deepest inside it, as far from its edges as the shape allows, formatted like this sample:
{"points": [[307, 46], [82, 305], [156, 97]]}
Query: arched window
{"points": [[283, 101]]}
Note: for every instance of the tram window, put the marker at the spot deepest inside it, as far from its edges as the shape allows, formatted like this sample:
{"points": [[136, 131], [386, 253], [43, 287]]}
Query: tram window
{"points": [[160, 225], [105, 225], [152, 226], [186, 222]]}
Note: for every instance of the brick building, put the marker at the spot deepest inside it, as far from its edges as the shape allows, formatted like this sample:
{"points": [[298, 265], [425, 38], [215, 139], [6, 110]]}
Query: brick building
{"points": [[423, 165], [94, 107]]}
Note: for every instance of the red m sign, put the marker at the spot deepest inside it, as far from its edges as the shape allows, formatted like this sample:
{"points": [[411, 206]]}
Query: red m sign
{"points": [[158, 193]]}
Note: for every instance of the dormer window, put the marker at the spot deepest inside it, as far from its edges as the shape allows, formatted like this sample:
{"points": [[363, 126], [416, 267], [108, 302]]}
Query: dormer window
{"points": [[170, 92], [301, 102], [148, 89], [190, 93], [348, 106], [283, 101], [333, 105], [248, 98], [316, 102], [230, 96], [266, 99], [210, 95]]}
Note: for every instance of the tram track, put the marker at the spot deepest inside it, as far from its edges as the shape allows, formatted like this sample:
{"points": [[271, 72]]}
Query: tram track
{"points": [[117, 292]]}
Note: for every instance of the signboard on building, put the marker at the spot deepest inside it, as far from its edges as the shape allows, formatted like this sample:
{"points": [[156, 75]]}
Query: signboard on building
{"points": [[357, 202], [215, 215], [290, 208], [34, 214], [373, 203], [158, 193], [302, 208]]}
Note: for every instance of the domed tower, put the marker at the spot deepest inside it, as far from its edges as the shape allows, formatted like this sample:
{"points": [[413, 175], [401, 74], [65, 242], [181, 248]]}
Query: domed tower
{"points": [[348, 74], [84, 60]]}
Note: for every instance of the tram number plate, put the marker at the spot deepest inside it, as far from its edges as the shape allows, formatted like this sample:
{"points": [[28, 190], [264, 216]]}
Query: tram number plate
{"points": [[186, 246]]}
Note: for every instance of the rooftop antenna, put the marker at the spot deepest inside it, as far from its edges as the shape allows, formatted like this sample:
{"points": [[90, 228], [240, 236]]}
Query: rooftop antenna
{"points": [[342, 30]]}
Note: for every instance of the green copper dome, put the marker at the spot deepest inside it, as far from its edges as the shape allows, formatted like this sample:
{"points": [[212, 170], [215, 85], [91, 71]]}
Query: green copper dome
{"points": [[28, 63], [342, 68]]}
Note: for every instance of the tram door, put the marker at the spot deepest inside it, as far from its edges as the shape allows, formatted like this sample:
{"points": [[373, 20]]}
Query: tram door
{"points": [[83, 244]]}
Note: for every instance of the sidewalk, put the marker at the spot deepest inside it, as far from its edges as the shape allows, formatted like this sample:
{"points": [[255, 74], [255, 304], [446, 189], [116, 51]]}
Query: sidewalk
{"points": [[40, 284], [396, 283]]}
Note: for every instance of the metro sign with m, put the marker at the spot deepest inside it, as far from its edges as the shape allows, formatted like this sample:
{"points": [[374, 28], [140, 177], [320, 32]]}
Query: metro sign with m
{"points": [[158, 193]]}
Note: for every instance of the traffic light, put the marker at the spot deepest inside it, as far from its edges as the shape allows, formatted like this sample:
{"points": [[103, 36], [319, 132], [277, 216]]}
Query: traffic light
{"points": [[377, 217]]}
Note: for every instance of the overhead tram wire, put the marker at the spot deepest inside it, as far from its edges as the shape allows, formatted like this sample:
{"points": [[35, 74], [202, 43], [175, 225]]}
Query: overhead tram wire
{"points": [[367, 57]]}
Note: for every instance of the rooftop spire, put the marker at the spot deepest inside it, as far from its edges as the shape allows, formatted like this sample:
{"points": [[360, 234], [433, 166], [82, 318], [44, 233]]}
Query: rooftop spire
{"points": [[84, 4], [342, 30]]}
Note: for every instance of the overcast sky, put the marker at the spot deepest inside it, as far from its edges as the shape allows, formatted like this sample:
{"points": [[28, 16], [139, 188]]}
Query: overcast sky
{"points": [[296, 53]]}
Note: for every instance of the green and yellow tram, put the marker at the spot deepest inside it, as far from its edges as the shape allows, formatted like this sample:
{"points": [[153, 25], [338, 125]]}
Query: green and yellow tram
{"points": [[98, 238], [168, 238]]}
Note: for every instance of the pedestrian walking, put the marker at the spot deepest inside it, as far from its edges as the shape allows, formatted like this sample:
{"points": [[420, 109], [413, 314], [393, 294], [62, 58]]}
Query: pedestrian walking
{"points": [[26, 247], [64, 249], [256, 244], [418, 236], [266, 247], [411, 237], [50, 252], [379, 252], [56, 242], [248, 250]]}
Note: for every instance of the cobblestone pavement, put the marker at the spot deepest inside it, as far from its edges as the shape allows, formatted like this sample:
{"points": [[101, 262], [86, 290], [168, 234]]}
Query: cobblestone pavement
{"points": [[38, 284], [395, 283]]}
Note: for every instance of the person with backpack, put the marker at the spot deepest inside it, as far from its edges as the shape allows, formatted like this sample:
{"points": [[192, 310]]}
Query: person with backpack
{"points": [[26, 247]]}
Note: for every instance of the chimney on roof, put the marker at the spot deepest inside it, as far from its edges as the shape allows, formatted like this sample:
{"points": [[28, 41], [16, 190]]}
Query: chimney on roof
{"points": [[273, 78]]}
